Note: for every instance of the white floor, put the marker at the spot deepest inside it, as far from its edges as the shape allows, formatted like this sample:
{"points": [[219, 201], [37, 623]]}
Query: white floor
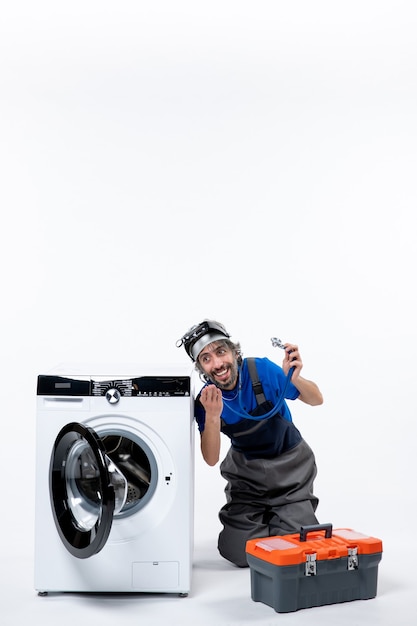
{"points": [[220, 595]]}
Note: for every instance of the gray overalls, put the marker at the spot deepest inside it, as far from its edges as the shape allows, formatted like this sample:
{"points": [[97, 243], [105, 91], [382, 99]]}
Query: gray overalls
{"points": [[267, 494]]}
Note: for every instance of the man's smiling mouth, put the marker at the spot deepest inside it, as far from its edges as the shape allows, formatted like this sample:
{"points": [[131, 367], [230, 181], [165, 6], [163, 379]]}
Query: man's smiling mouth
{"points": [[223, 373]]}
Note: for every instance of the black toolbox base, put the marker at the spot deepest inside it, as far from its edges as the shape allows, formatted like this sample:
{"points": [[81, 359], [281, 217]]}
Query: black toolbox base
{"points": [[287, 588]]}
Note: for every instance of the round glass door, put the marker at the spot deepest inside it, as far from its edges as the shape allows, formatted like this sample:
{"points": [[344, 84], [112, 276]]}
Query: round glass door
{"points": [[86, 490]]}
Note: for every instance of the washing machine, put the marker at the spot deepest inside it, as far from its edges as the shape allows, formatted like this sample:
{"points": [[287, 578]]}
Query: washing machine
{"points": [[114, 493]]}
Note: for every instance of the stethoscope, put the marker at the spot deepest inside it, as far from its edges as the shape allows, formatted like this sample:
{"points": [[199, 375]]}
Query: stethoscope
{"points": [[276, 343]]}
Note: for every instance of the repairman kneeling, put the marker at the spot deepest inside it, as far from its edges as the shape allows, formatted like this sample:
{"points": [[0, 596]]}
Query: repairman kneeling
{"points": [[269, 468]]}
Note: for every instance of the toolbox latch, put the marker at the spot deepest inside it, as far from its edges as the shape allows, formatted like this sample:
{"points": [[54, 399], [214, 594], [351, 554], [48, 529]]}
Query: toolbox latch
{"points": [[311, 564], [353, 562]]}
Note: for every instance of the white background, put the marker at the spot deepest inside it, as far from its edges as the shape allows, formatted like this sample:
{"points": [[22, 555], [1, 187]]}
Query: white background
{"points": [[252, 162]]}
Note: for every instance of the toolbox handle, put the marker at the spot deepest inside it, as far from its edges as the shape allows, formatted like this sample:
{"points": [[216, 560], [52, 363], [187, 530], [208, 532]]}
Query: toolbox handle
{"points": [[304, 530]]}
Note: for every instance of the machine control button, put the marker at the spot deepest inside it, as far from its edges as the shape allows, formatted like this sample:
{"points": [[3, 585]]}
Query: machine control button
{"points": [[113, 396]]}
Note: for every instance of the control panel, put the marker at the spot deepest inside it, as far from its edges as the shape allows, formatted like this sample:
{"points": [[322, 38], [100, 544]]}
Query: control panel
{"points": [[142, 386]]}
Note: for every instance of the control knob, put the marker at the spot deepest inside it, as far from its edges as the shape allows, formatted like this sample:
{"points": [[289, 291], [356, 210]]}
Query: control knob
{"points": [[113, 395]]}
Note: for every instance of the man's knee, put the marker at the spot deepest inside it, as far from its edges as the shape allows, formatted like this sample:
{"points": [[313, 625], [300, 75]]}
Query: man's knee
{"points": [[232, 550]]}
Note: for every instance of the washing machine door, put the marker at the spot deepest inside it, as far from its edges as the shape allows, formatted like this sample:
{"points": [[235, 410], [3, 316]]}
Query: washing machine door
{"points": [[81, 489]]}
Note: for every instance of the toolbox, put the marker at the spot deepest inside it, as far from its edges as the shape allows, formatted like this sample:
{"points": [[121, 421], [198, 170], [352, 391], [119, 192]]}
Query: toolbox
{"points": [[314, 567]]}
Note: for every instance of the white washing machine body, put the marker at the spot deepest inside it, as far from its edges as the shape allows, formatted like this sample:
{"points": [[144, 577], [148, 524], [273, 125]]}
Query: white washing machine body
{"points": [[114, 505]]}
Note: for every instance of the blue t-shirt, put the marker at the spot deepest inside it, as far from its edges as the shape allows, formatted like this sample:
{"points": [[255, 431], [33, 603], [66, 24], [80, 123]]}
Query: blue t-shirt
{"points": [[242, 396]]}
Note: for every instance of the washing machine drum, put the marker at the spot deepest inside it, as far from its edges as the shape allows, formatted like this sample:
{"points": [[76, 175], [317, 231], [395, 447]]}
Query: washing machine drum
{"points": [[86, 489]]}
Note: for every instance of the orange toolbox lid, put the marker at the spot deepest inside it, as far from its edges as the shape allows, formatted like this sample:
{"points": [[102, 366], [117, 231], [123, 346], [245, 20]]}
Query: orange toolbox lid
{"points": [[332, 544]]}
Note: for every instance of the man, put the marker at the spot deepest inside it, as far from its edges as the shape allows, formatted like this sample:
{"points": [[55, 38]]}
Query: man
{"points": [[269, 468]]}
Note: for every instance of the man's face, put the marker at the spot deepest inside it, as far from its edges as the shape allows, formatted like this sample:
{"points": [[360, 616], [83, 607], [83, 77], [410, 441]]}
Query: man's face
{"points": [[220, 364]]}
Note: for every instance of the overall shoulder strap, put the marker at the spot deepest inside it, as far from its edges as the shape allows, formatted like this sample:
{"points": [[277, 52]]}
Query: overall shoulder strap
{"points": [[256, 383]]}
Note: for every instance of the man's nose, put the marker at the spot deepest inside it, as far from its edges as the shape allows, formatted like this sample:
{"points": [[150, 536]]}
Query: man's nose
{"points": [[217, 361]]}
